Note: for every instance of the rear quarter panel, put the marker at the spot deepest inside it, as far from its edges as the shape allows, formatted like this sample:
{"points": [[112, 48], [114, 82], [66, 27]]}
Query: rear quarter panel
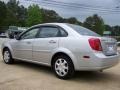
{"points": [[79, 47]]}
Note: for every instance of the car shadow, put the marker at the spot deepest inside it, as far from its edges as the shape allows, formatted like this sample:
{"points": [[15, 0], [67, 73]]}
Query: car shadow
{"points": [[80, 76], [96, 76], [32, 66]]}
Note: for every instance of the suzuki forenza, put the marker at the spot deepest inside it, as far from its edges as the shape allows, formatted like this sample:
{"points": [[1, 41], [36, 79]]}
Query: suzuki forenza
{"points": [[65, 47]]}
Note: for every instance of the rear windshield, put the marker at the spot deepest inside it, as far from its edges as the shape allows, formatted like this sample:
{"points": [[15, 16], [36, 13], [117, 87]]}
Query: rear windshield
{"points": [[83, 31]]}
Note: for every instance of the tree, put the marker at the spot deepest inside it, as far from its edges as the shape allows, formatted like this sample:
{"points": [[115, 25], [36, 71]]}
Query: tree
{"points": [[2, 13], [108, 28], [16, 14], [95, 23], [34, 15], [73, 20], [50, 16], [22, 15], [12, 13], [116, 30]]}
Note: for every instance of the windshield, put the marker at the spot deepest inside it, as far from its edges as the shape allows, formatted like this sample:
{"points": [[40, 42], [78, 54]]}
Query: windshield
{"points": [[83, 31]]}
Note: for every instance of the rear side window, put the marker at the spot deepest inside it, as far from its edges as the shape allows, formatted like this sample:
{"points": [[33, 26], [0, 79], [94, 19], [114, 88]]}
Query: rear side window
{"points": [[46, 32], [83, 31], [63, 33]]}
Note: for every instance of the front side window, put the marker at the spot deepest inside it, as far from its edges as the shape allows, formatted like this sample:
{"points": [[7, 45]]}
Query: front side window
{"points": [[30, 34], [46, 32]]}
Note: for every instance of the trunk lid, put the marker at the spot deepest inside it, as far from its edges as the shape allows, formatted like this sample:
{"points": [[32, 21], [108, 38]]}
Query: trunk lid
{"points": [[109, 46]]}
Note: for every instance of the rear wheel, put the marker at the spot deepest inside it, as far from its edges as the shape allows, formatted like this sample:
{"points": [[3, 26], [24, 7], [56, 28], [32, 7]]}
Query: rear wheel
{"points": [[7, 57], [63, 67]]}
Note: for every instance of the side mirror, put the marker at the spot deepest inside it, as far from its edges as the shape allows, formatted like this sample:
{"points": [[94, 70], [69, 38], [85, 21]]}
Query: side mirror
{"points": [[118, 43], [17, 37], [11, 36]]}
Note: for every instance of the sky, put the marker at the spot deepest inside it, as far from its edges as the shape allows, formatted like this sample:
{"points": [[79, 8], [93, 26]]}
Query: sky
{"points": [[109, 10]]}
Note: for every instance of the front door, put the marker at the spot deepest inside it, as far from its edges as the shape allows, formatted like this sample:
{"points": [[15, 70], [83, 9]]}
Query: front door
{"points": [[23, 47]]}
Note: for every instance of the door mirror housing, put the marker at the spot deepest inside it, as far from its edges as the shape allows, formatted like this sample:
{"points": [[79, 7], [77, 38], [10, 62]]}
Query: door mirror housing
{"points": [[17, 37], [11, 36]]}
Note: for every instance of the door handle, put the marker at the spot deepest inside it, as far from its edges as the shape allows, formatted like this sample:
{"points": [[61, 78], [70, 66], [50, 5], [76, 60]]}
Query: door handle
{"points": [[28, 42], [52, 41]]}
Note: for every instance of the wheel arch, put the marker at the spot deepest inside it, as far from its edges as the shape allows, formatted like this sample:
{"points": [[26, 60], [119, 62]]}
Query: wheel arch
{"points": [[6, 47], [68, 54], [57, 54]]}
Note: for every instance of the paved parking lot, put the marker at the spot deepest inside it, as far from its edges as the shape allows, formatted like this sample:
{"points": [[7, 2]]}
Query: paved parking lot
{"points": [[26, 76]]}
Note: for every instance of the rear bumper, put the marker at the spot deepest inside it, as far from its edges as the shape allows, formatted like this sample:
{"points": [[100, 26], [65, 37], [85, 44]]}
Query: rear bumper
{"points": [[100, 62], [104, 65], [107, 61]]}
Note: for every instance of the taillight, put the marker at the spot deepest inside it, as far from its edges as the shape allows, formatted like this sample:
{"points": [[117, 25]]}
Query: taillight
{"points": [[95, 44]]}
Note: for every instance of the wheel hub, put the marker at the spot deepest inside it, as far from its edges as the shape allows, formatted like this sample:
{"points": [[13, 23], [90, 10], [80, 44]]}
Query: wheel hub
{"points": [[61, 67], [6, 56]]}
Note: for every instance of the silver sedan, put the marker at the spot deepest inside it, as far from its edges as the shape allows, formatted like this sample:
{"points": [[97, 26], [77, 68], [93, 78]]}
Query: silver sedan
{"points": [[64, 47]]}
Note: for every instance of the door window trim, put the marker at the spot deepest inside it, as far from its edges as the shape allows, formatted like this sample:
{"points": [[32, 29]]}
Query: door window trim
{"points": [[54, 26], [60, 28], [28, 31]]}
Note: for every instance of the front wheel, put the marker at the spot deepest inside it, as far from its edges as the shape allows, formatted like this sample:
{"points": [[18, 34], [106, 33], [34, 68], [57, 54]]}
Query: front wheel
{"points": [[63, 67], [7, 57]]}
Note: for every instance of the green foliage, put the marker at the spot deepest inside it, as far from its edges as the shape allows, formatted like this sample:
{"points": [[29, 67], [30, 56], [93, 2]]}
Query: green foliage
{"points": [[115, 30], [2, 13], [11, 16], [73, 20], [50, 16], [14, 14], [95, 23], [22, 14], [108, 28], [34, 15]]}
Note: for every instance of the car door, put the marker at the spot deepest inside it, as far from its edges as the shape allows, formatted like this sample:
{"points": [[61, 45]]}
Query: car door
{"points": [[23, 47], [46, 42]]}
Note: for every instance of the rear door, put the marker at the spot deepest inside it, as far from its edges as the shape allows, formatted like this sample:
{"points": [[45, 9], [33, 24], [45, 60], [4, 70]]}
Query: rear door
{"points": [[47, 41]]}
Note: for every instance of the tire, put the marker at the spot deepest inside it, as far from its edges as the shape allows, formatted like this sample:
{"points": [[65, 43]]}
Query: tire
{"points": [[7, 57], [63, 67]]}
